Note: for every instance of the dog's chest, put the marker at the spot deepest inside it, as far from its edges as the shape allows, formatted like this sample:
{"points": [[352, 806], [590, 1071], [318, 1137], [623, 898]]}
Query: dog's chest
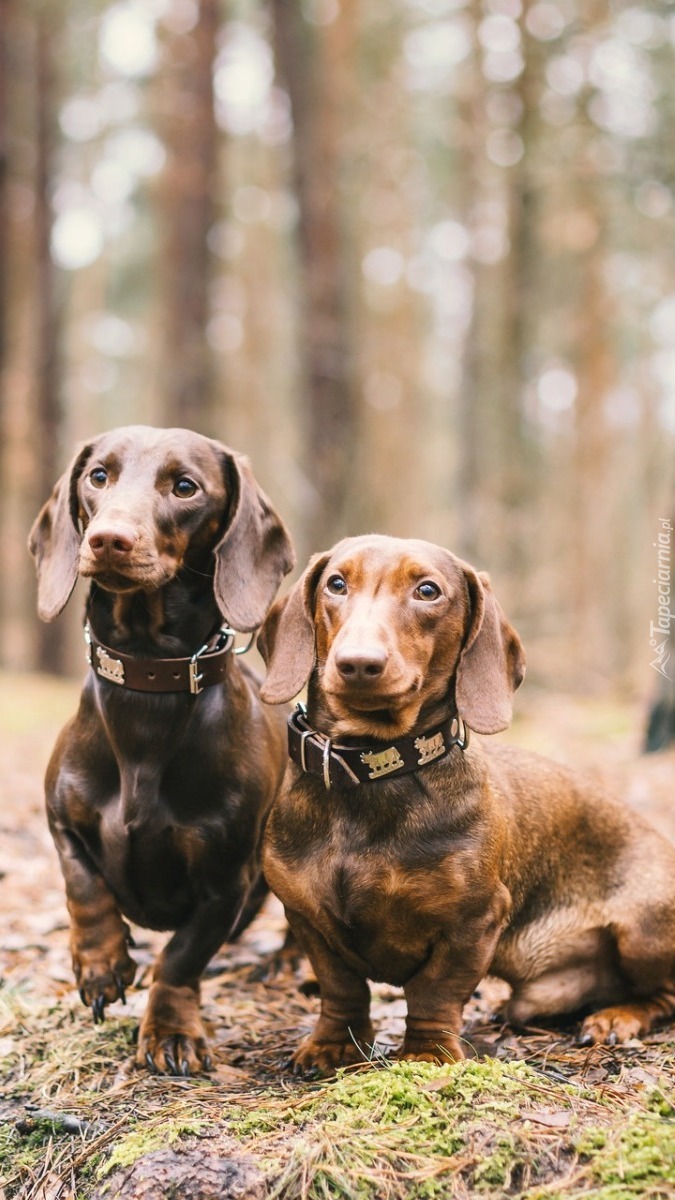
{"points": [[147, 866], [370, 907], [153, 853]]}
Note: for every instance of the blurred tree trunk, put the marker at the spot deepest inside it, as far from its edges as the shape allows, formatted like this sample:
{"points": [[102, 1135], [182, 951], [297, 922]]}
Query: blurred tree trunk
{"points": [[517, 464], [590, 559], [4, 287], [471, 416], [4, 171], [314, 64], [497, 461], [595, 374], [660, 731], [51, 651], [395, 411], [186, 213]]}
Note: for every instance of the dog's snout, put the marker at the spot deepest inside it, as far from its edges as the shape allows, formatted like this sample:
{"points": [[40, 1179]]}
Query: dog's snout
{"points": [[116, 540], [361, 665]]}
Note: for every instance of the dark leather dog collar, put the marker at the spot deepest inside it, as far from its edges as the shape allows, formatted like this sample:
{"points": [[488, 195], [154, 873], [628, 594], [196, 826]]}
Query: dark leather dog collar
{"points": [[348, 766], [204, 669]]}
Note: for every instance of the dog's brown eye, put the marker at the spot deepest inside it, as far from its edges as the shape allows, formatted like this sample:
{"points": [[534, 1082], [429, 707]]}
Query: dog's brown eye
{"points": [[427, 590], [184, 488], [336, 585], [99, 477]]}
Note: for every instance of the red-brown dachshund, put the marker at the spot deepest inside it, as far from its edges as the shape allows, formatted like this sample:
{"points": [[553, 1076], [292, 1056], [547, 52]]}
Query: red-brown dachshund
{"points": [[403, 854], [158, 789]]}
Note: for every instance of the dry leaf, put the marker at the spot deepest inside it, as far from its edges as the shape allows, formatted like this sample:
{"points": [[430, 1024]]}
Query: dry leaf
{"points": [[559, 1119]]}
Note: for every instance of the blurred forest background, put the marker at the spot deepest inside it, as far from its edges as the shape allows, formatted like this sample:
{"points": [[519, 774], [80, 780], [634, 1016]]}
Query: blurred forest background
{"points": [[415, 257]]}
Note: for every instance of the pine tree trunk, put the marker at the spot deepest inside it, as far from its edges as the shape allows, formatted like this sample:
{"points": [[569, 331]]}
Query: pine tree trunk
{"points": [[4, 169], [52, 649], [312, 62], [187, 209]]}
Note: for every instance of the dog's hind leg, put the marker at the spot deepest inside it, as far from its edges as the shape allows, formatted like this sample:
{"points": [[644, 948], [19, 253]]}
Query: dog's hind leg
{"points": [[635, 1018], [646, 960], [621, 968]]}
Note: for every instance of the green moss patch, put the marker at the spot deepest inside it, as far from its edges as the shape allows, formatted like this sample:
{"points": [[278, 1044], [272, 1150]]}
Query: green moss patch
{"points": [[421, 1131], [565, 1123]]}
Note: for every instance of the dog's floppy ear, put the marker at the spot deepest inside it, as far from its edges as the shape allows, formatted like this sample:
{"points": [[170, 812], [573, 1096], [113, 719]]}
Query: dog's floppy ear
{"points": [[287, 639], [492, 663], [254, 553], [55, 538]]}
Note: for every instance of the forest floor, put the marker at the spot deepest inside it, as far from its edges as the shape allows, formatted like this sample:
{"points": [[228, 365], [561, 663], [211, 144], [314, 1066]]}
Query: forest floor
{"points": [[530, 1115]]}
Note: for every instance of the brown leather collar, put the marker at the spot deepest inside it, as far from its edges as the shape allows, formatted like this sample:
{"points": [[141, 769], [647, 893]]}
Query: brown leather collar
{"points": [[348, 766], [204, 669]]}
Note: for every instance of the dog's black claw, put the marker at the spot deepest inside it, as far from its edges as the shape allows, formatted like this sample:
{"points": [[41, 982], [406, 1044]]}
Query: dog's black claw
{"points": [[612, 1038], [120, 989], [207, 1064], [98, 1010], [584, 1039], [150, 1062], [171, 1062], [185, 1069], [83, 997], [309, 1074]]}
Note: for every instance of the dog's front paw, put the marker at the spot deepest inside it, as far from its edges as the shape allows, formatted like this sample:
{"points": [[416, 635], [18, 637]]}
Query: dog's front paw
{"points": [[102, 977], [610, 1026], [172, 1038], [318, 1058], [445, 1048]]}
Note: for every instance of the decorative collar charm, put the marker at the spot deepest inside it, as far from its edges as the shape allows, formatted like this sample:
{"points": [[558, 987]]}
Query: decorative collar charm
{"points": [[203, 669], [348, 766]]}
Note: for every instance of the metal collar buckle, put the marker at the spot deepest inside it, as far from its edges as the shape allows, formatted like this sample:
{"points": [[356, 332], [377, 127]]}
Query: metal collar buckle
{"points": [[87, 642], [301, 712], [326, 763], [225, 637]]}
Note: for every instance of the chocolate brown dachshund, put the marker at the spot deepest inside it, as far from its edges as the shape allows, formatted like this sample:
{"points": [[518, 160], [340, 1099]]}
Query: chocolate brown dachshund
{"points": [[403, 854], [158, 789]]}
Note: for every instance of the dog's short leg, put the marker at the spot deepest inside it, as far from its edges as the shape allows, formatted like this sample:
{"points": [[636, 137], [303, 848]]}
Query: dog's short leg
{"points": [[99, 938], [437, 993], [172, 1038], [436, 996], [343, 1033]]}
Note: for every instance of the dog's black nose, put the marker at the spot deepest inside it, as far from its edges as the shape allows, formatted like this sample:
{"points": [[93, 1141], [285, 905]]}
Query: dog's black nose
{"points": [[115, 540], [360, 666]]}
